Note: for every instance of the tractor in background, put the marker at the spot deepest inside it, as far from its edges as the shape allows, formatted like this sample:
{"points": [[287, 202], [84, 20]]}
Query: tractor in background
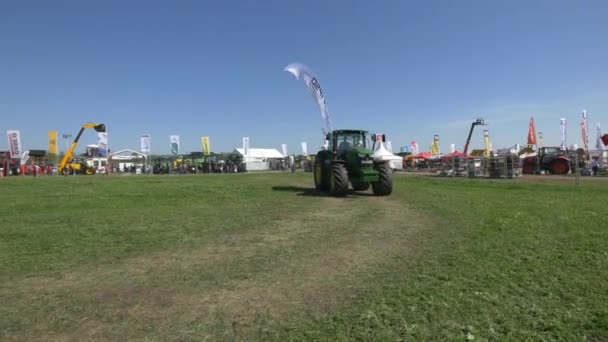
{"points": [[349, 159], [551, 159]]}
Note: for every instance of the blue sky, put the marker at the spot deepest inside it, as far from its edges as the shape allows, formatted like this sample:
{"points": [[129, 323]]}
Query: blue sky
{"points": [[409, 69]]}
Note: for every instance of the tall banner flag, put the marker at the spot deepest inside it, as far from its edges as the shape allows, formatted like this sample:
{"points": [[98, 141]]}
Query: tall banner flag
{"points": [[52, 142], [563, 126], [414, 146], [488, 145], [301, 71], [389, 146], [246, 146], [598, 142], [14, 143], [586, 130], [304, 148], [435, 145], [102, 142], [584, 134], [452, 148], [144, 144], [284, 149], [531, 132], [174, 141], [206, 145], [541, 143]]}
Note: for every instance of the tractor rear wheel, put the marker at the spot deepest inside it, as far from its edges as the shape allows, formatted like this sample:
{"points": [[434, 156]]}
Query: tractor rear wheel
{"points": [[89, 171], [384, 185], [338, 183], [320, 174], [559, 167], [360, 186]]}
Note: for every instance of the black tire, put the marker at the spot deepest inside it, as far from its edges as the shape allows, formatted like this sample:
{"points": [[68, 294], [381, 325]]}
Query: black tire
{"points": [[361, 186], [384, 186], [559, 167], [89, 171], [320, 174], [338, 184]]}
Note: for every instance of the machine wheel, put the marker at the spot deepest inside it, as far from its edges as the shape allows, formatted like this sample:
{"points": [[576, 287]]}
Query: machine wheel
{"points": [[89, 171], [338, 183], [361, 186], [528, 168], [320, 174], [384, 186], [559, 167]]}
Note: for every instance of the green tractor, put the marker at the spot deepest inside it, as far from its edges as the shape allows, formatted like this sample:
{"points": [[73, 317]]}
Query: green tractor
{"points": [[349, 159]]}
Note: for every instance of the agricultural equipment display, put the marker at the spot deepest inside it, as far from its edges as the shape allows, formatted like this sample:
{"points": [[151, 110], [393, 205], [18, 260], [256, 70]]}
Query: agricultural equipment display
{"points": [[75, 165], [349, 159], [480, 122], [551, 159]]}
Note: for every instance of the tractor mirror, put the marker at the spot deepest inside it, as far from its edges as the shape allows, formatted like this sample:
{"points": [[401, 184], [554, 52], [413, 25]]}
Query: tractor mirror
{"points": [[100, 128]]}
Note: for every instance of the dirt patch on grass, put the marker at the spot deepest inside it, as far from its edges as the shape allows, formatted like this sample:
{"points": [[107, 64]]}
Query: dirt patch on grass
{"points": [[302, 265]]}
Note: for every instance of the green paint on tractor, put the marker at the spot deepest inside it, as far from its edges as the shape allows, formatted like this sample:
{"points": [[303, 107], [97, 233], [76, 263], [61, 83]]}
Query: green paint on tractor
{"points": [[349, 159]]}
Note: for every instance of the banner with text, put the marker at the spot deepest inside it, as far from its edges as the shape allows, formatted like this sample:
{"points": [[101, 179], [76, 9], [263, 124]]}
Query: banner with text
{"points": [[14, 143]]}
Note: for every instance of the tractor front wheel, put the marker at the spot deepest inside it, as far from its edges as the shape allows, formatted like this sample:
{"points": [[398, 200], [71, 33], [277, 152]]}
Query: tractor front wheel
{"points": [[89, 171], [320, 174], [384, 185], [338, 184]]}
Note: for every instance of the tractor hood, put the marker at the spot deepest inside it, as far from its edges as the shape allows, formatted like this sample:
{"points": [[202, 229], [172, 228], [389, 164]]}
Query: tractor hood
{"points": [[362, 151]]}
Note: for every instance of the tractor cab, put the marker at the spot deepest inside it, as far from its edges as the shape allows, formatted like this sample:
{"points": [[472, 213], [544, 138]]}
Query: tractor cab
{"points": [[341, 141]]}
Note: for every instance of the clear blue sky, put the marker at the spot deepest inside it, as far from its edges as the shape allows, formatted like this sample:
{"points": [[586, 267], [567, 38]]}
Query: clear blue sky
{"points": [[409, 69]]}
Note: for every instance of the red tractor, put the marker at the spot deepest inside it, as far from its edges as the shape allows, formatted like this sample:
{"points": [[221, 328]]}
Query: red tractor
{"points": [[552, 159]]}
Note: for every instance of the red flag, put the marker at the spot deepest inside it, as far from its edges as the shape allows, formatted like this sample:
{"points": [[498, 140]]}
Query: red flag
{"points": [[605, 139], [531, 132]]}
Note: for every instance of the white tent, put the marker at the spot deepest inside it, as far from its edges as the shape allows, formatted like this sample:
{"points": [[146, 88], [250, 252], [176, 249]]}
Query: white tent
{"points": [[382, 154], [127, 155], [259, 158]]}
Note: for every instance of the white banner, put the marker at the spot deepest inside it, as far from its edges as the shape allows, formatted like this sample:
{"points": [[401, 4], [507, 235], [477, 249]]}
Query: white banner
{"points": [[586, 130], [389, 146], [144, 143], [246, 146], [102, 142], [174, 141], [284, 149], [452, 148], [312, 84], [304, 148], [563, 126], [14, 143]]}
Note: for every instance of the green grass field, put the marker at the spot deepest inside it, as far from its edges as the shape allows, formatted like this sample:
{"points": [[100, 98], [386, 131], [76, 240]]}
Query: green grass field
{"points": [[263, 257]]}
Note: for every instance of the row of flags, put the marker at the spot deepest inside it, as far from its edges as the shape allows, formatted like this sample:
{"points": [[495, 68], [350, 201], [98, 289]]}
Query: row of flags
{"points": [[145, 145], [563, 128]]}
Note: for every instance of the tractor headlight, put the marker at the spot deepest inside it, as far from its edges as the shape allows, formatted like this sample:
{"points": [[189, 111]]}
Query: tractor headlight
{"points": [[363, 155]]}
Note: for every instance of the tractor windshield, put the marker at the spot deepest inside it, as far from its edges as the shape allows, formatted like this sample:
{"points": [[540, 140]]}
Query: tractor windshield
{"points": [[346, 141]]}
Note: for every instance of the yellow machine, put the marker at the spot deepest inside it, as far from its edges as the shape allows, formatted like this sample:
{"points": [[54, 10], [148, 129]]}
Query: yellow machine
{"points": [[68, 160]]}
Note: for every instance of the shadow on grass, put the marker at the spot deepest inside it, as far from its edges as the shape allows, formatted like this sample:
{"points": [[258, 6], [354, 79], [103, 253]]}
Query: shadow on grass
{"points": [[312, 192]]}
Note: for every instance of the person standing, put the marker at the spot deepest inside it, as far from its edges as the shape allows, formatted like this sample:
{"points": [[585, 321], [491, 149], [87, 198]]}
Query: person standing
{"points": [[595, 166]]}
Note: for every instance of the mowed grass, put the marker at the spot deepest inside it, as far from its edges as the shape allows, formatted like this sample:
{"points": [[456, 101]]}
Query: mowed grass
{"points": [[261, 256]]}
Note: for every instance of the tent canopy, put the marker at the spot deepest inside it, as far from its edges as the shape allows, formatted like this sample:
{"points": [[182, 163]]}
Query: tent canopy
{"points": [[261, 153], [127, 155]]}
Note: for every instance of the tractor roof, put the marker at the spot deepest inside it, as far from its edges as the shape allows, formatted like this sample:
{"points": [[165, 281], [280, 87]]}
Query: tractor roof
{"points": [[338, 131]]}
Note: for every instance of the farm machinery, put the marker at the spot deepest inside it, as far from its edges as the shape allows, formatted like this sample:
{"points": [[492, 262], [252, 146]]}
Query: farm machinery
{"points": [[78, 165], [551, 159], [349, 159]]}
